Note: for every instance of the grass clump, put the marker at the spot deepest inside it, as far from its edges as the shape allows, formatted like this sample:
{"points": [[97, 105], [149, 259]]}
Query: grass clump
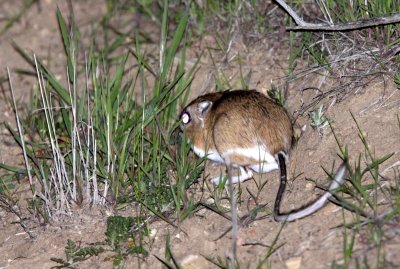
{"points": [[108, 137], [375, 208], [323, 47]]}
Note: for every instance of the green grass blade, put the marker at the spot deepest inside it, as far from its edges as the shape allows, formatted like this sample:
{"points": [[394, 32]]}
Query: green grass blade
{"points": [[14, 169], [176, 41], [49, 76], [68, 45]]}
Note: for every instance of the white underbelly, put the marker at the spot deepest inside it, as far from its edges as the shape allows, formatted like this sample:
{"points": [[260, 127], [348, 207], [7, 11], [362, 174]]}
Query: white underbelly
{"points": [[255, 154], [211, 155]]}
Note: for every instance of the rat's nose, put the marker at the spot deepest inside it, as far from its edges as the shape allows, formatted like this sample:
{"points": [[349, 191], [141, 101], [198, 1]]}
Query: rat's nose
{"points": [[176, 136]]}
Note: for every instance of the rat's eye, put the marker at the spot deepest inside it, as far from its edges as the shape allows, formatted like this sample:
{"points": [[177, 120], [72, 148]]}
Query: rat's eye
{"points": [[185, 118]]}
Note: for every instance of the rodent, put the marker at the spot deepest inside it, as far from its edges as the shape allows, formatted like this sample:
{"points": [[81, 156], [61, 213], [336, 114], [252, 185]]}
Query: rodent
{"points": [[247, 130]]}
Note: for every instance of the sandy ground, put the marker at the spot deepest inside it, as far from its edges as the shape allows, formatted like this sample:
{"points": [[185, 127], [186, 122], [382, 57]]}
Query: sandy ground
{"points": [[313, 242]]}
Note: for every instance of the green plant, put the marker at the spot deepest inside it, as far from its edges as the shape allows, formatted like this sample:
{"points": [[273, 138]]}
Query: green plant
{"points": [[225, 263], [318, 119], [271, 249], [397, 79], [120, 240], [170, 261], [374, 207], [278, 95], [75, 254], [222, 263]]}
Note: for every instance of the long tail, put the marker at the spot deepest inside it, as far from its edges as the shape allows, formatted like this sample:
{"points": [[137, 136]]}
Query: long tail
{"points": [[314, 206]]}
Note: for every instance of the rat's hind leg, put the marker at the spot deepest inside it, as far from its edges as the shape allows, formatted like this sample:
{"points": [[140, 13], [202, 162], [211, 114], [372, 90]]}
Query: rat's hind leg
{"points": [[269, 164], [244, 174], [264, 167]]}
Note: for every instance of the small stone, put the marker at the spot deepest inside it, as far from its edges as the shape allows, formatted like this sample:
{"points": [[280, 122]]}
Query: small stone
{"points": [[153, 233], [309, 185], [194, 262], [293, 263]]}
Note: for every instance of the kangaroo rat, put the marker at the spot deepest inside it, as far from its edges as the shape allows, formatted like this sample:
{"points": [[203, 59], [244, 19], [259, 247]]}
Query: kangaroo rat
{"points": [[248, 131]]}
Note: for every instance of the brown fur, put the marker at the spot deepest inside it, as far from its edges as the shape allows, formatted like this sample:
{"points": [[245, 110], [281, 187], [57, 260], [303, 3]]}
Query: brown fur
{"points": [[239, 119]]}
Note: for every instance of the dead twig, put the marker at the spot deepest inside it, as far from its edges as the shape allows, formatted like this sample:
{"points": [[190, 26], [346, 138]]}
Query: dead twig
{"points": [[232, 193], [355, 25], [10, 206]]}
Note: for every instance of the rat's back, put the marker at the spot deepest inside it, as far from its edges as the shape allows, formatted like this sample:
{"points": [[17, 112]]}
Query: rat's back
{"points": [[248, 119]]}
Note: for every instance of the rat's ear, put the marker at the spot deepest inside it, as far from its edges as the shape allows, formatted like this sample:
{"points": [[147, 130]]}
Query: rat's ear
{"points": [[203, 108]]}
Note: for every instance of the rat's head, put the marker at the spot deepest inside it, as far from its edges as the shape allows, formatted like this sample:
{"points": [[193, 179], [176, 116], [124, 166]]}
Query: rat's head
{"points": [[195, 116]]}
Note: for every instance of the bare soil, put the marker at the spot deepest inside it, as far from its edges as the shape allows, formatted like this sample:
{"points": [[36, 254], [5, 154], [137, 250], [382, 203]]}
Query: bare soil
{"points": [[313, 242]]}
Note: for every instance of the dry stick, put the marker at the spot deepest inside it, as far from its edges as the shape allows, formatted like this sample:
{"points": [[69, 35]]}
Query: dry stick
{"points": [[14, 209], [28, 167], [302, 25], [233, 253], [21, 135]]}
